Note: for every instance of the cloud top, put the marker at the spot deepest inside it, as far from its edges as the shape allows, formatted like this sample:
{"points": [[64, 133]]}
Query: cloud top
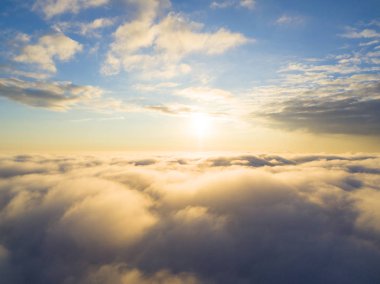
{"points": [[171, 219]]}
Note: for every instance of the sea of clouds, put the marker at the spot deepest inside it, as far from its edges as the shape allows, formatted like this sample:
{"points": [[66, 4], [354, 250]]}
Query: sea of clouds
{"points": [[184, 219]]}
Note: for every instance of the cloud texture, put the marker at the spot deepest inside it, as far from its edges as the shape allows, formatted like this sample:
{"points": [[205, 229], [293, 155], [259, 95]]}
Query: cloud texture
{"points": [[47, 50], [58, 96], [157, 46], [168, 219]]}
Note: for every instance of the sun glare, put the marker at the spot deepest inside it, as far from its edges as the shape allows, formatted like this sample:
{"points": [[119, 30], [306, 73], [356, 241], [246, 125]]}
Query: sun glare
{"points": [[200, 125]]}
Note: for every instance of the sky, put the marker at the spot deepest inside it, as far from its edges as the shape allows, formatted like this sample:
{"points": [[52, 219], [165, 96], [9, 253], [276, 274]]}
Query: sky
{"points": [[189, 142], [222, 75]]}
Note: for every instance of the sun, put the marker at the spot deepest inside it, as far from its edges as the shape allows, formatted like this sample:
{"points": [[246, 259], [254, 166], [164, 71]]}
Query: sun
{"points": [[200, 124]]}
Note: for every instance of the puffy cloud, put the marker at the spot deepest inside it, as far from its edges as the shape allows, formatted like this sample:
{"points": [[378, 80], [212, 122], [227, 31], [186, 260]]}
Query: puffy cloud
{"points": [[179, 37], [159, 48], [51, 8], [48, 49], [94, 203], [170, 219], [57, 96]]}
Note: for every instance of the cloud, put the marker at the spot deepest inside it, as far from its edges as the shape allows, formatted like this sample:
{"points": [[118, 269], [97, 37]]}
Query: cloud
{"points": [[172, 109], [85, 29], [9, 70], [120, 273], [358, 34], [338, 94], [158, 49], [351, 115], [86, 223], [249, 4], [289, 20], [372, 42], [172, 219], [56, 96], [47, 50], [51, 8]]}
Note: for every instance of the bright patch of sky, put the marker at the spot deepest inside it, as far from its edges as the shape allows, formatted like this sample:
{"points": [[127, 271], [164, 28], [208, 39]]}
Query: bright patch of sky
{"points": [[107, 67]]}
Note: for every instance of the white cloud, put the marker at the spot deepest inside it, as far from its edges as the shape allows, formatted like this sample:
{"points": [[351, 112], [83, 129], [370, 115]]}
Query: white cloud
{"points": [[221, 4], [26, 74], [48, 49], [157, 49], [369, 43], [178, 38], [250, 4], [365, 33], [96, 24], [170, 41], [51, 8]]}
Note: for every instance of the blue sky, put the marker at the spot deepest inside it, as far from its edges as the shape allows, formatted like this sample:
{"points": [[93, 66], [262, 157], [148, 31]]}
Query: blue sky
{"points": [[151, 75]]}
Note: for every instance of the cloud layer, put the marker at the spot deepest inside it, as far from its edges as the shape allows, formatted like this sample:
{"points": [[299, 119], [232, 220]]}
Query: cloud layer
{"points": [[171, 219]]}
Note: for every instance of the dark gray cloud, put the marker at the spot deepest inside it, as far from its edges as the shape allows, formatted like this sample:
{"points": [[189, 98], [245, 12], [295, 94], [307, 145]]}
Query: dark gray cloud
{"points": [[342, 116], [233, 219], [54, 96], [339, 94]]}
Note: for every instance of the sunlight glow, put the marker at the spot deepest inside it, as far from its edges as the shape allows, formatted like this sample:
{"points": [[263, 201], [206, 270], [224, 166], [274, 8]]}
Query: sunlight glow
{"points": [[201, 125]]}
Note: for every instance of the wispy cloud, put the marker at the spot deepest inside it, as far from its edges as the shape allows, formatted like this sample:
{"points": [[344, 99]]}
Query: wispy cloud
{"points": [[85, 29], [286, 20], [361, 34], [171, 109], [339, 94], [248, 4], [51, 8]]}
